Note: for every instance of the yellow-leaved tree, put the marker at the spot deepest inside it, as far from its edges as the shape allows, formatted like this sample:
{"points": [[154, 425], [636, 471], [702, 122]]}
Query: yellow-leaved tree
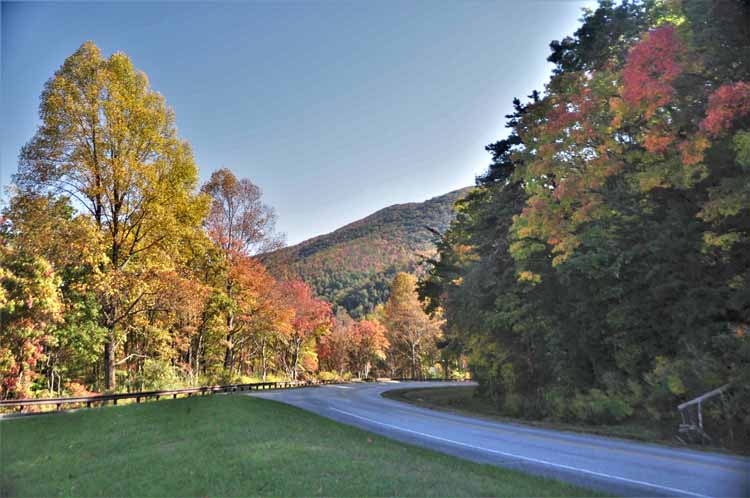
{"points": [[108, 141], [412, 333]]}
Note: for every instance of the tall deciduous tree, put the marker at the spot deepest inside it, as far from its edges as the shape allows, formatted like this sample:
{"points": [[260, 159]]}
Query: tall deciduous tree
{"points": [[334, 347], [368, 344], [109, 142], [412, 333], [241, 225], [238, 220], [312, 318]]}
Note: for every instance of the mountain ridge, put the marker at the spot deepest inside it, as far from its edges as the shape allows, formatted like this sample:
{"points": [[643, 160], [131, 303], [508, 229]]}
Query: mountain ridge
{"points": [[353, 265]]}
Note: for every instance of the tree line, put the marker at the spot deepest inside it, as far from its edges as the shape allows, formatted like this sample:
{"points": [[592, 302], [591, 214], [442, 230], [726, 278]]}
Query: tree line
{"points": [[600, 271], [119, 272]]}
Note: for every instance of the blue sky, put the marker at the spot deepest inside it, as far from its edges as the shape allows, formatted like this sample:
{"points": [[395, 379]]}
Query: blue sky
{"points": [[334, 108]]}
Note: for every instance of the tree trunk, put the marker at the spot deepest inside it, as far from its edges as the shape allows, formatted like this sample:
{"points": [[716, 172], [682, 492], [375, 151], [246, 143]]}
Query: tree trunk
{"points": [[263, 359], [230, 328], [296, 361], [228, 354], [198, 349], [413, 361], [109, 362]]}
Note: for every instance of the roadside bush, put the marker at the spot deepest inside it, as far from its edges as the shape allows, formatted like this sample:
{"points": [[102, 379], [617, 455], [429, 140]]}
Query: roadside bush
{"points": [[665, 386], [328, 376], [456, 375], [534, 405], [274, 378], [157, 375], [555, 404], [76, 389], [599, 407], [225, 379], [512, 404]]}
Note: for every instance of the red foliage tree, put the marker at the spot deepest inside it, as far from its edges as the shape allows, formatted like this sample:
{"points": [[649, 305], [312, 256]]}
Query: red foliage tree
{"points": [[312, 318], [651, 68], [333, 349], [727, 104], [368, 343]]}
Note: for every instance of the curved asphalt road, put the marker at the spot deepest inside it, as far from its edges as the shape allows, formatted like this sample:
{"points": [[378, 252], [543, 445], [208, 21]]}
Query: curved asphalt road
{"points": [[612, 465]]}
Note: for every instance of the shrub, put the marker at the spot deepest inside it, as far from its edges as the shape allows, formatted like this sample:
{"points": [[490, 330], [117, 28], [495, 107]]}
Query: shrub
{"points": [[456, 375], [328, 376], [599, 407], [673, 381], [158, 374], [75, 390], [512, 404], [556, 404]]}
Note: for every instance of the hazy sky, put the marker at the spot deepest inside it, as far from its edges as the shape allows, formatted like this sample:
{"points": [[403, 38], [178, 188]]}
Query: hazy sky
{"points": [[334, 108]]}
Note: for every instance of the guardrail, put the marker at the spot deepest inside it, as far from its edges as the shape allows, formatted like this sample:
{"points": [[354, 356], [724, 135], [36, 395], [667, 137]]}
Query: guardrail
{"points": [[102, 399]]}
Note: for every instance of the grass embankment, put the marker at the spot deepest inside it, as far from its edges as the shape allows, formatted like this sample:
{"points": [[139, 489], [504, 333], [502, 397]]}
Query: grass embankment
{"points": [[461, 399], [232, 445]]}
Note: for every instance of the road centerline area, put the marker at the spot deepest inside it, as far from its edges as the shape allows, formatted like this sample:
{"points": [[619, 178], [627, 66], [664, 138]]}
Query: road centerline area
{"points": [[520, 457], [617, 466]]}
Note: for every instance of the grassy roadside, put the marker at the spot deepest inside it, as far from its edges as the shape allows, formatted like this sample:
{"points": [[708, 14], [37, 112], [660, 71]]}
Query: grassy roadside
{"points": [[461, 399], [232, 445]]}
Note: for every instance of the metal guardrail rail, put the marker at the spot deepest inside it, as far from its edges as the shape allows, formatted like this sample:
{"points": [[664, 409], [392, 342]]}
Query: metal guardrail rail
{"points": [[102, 399]]}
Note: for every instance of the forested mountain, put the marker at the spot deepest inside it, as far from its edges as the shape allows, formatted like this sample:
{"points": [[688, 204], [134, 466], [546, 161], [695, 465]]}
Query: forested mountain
{"points": [[353, 266]]}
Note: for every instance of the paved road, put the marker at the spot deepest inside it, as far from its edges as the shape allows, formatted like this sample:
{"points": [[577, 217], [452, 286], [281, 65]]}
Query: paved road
{"points": [[613, 465]]}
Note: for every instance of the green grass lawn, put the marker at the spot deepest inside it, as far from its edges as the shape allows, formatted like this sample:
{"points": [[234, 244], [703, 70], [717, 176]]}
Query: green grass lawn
{"points": [[461, 399], [232, 445]]}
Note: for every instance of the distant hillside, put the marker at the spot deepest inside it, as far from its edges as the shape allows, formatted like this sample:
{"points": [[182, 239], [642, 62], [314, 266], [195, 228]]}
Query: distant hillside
{"points": [[353, 266]]}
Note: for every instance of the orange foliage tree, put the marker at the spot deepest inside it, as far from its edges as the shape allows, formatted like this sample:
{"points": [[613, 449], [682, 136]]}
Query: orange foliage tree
{"points": [[368, 344], [311, 319]]}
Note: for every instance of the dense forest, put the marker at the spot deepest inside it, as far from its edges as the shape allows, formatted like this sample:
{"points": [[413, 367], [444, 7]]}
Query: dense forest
{"points": [[119, 272], [353, 267], [600, 271]]}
